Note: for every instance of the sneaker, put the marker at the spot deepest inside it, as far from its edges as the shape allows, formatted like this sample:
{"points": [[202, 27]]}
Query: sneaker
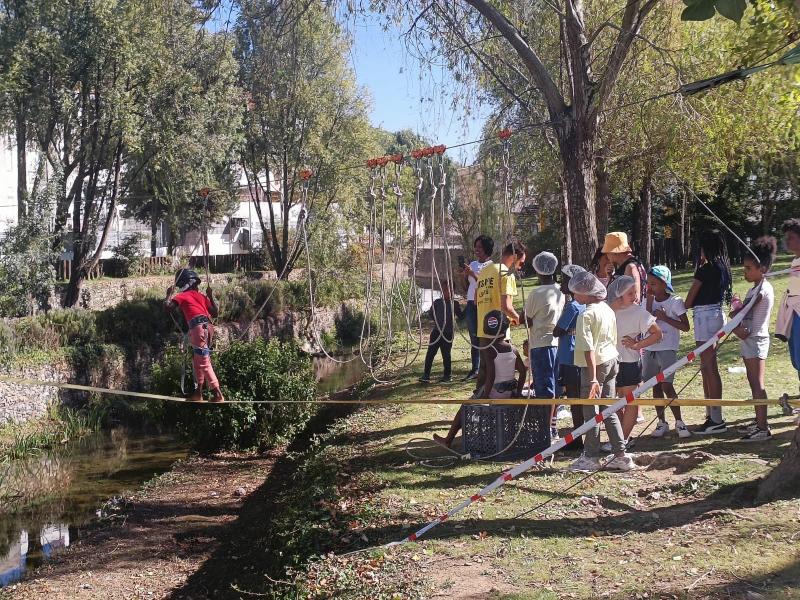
{"points": [[682, 429], [640, 418], [710, 427], [554, 434], [759, 435], [563, 413], [662, 429], [749, 428], [470, 376], [425, 379], [585, 464], [620, 463], [445, 380], [629, 443]]}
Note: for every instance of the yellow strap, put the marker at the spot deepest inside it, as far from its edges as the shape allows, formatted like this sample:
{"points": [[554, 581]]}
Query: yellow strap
{"points": [[325, 400]]}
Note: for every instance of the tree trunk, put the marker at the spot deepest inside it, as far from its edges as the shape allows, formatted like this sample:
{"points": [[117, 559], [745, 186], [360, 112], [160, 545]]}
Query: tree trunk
{"points": [[567, 258], [784, 480], [578, 160], [681, 259], [645, 222], [603, 201], [154, 208], [21, 134]]}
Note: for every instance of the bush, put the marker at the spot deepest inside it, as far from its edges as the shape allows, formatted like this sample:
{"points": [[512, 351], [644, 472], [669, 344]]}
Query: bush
{"points": [[247, 371], [134, 323], [348, 323], [127, 259]]}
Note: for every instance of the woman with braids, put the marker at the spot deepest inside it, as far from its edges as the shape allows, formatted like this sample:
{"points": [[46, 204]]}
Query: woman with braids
{"points": [[711, 287]]}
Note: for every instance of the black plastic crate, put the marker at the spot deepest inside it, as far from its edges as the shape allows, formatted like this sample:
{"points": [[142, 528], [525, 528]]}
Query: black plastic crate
{"points": [[488, 429]]}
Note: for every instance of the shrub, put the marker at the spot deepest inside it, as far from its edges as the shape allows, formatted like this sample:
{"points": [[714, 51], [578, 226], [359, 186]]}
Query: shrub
{"points": [[247, 371], [348, 323], [127, 259], [134, 323]]}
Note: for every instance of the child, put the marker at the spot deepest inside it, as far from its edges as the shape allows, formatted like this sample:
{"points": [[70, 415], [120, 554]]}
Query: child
{"points": [[441, 335], [197, 310], [543, 307], [596, 354], [787, 327], [636, 329], [671, 317], [712, 285], [501, 382], [754, 330], [569, 376]]}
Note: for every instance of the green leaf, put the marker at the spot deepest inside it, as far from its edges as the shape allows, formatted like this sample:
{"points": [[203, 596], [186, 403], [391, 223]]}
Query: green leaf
{"points": [[702, 10], [731, 9]]}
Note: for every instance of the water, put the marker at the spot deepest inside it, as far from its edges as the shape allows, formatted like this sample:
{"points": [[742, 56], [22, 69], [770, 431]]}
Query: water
{"points": [[47, 499]]}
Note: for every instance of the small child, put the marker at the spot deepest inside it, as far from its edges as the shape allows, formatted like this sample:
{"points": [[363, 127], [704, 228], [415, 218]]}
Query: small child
{"points": [[543, 307], [754, 330], [197, 310], [596, 354], [569, 376], [636, 330], [671, 317]]}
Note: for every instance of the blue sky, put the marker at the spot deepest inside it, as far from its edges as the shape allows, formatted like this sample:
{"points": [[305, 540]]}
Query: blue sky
{"points": [[396, 82]]}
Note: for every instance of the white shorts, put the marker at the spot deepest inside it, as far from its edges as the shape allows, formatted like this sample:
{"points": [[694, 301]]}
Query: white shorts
{"points": [[708, 320], [755, 346], [655, 361]]}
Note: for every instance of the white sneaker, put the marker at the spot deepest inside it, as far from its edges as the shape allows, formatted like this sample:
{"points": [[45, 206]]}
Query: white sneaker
{"points": [[759, 435], [620, 463], [682, 429], [662, 429], [563, 413], [605, 447], [585, 464]]}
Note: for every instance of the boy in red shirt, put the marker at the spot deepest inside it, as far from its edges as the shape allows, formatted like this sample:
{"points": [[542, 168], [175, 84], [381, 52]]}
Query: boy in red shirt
{"points": [[197, 310]]}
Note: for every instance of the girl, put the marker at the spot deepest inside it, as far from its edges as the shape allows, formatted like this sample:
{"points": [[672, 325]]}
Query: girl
{"points": [[501, 381], [601, 267], [636, 329], [712, 285], [197, 310], [754, 330], [596, 354]]}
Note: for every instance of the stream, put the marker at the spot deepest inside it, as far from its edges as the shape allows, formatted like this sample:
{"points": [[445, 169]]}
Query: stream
{"points": [[70, 488]]}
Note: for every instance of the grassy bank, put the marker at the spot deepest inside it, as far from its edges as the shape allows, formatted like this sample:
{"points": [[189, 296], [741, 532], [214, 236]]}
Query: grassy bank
{"points": [[685, 527]]}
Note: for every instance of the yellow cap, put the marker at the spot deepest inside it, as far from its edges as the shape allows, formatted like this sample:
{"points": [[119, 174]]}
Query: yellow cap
{"points": [[616, 241]]}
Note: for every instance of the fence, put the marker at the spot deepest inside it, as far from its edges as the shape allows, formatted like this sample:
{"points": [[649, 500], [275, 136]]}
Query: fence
{"points": [[153, 265]]}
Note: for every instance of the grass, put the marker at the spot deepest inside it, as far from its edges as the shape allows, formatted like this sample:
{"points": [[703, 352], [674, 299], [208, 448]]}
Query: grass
{"points": [[690, 532]]}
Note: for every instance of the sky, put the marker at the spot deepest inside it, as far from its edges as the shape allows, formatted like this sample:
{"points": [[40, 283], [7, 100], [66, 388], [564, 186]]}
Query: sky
{"points": [[397, 82]]}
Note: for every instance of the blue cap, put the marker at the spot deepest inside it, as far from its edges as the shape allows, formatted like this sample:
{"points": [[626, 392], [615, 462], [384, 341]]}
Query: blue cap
{"points": [[664, 274]]}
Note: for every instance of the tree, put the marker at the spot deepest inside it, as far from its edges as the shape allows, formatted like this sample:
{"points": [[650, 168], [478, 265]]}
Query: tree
{"points": [[304, 112]]}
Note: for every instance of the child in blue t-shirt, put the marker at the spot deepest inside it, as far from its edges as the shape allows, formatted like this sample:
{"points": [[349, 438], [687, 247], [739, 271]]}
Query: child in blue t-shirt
{"points": [[569, 376]]}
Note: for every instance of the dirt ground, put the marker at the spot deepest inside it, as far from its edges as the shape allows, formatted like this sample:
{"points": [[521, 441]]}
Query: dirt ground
{"points": [[163, 540]]}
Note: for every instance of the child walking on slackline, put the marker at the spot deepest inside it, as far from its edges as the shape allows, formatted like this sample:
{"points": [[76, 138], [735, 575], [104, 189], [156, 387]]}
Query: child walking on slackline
{"points": [[197, 309], [787, 327], [754, 330], [596, 354], [569, 376], [712, 285], [671, 317], [636, 330]]}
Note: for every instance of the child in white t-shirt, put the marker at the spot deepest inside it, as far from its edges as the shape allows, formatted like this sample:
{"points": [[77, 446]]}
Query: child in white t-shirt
{"points": [[670, 313], [754, 330], [636, 330]]}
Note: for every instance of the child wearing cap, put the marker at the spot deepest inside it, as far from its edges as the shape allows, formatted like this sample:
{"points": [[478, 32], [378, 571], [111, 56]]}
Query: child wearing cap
{"points": [[596, 354], [754, 330], [543, 307], [671, 316]]}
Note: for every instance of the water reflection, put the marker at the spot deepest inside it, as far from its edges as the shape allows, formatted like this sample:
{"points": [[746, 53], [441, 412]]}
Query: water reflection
{"points": [[46, 499], [333, 376]]}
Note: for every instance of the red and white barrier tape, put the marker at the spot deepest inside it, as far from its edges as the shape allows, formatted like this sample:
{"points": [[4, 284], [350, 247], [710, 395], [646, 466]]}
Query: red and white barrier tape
{"points": [[607, 412]]}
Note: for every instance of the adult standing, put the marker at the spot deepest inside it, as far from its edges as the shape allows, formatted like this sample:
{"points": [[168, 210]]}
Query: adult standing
{"points": [[441, 339], [483, 248], [621, 255]]}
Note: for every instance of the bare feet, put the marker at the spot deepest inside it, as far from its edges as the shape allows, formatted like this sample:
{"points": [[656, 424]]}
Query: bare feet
{"points": [[441, 441], [196, 396]]}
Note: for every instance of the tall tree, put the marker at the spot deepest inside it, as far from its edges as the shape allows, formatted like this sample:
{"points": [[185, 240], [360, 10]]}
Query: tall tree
{"points": [[304, 111]]}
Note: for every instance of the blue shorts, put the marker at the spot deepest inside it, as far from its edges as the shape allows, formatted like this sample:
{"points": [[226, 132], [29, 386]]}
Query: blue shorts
{"points": [[543, 367], [794, 342]]}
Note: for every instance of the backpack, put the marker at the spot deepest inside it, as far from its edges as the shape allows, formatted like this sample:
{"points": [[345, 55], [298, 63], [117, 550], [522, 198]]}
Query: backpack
{"points": [[642, 275]]}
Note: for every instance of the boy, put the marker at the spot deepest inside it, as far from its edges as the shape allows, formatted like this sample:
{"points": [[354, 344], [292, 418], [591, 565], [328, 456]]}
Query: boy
{"points": [[596, 354], [569, 376], [670, 314], [197, 309], [543, 307], [754, 330], [787, 327], [441, 335]]}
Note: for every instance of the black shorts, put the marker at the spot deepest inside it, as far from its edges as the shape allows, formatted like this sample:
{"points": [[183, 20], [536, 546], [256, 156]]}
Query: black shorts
{"points": [[629, 374], [569, 376]]}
